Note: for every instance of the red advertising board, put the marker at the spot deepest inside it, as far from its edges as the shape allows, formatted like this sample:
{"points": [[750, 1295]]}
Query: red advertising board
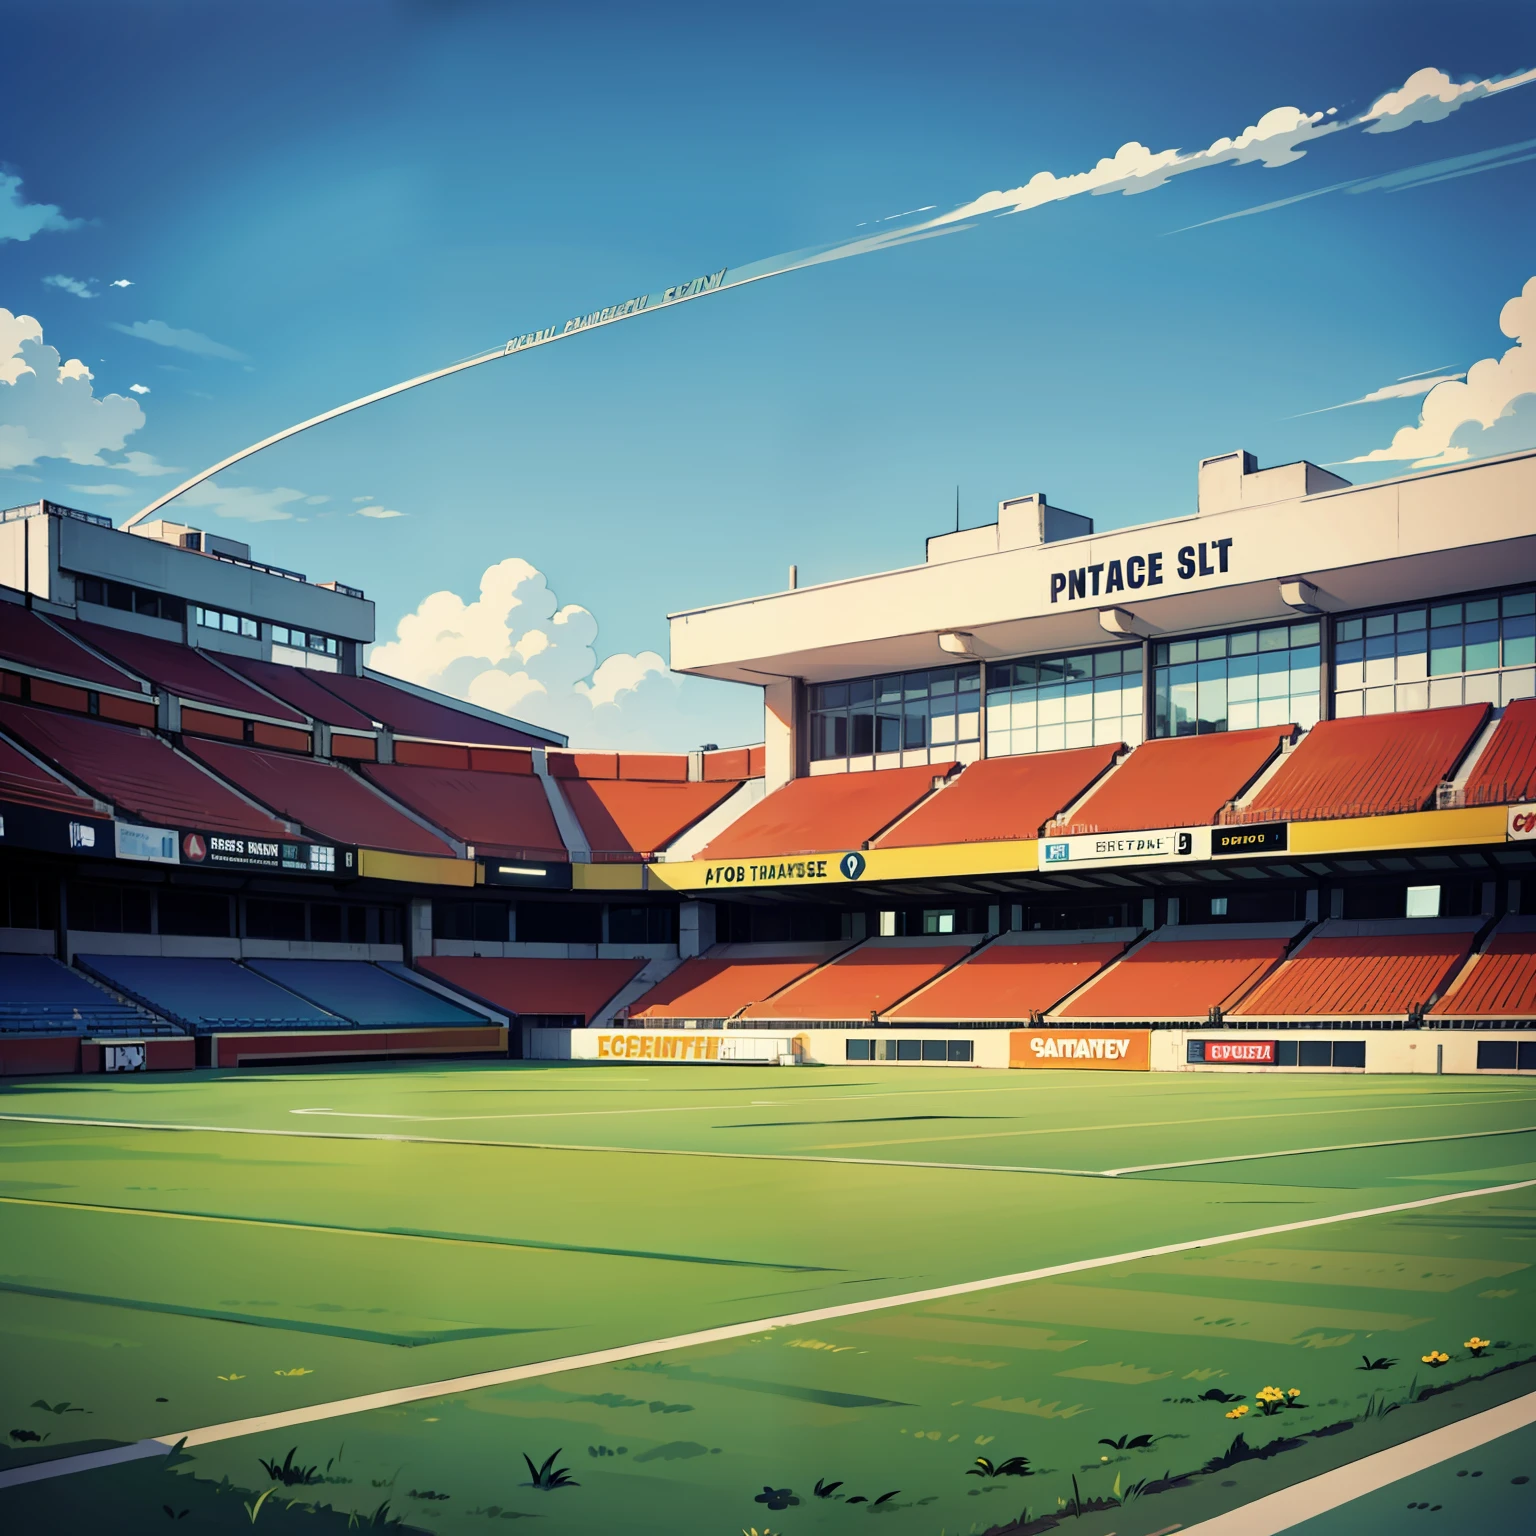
{"points": [[1241, 1053]]}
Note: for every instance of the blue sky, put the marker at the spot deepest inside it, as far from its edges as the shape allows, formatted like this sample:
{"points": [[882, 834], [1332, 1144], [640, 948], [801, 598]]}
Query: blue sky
{"points": [[311, 202]]}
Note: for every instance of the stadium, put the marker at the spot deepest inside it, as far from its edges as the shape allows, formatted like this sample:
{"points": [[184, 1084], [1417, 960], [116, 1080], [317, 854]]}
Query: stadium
{"points": [[316, 985]]}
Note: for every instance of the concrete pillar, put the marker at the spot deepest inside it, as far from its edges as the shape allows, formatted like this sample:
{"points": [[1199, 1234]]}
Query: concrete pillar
{"points": [[419, 929], [695, 928], [780, 706]]}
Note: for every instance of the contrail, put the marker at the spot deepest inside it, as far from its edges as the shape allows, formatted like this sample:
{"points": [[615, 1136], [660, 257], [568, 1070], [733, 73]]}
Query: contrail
{"points": [[1276, 139]]}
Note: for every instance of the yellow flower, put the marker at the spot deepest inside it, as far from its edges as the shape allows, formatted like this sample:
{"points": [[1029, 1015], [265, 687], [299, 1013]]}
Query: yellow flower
{"points": [[1435, 1358], [1238, 1412], [1294, 1392], [1476, 1345]]}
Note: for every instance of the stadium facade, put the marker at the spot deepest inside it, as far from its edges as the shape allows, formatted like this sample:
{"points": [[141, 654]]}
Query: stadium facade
{"points": [[1249, 789]]}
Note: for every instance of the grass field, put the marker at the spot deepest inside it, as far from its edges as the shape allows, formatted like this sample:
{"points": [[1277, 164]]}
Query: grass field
{"points": [[182, 1252]]}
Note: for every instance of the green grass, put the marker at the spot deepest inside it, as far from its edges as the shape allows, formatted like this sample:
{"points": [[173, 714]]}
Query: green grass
{"points": [[161, 1280]]}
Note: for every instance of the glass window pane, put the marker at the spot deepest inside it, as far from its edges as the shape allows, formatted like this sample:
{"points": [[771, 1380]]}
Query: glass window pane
{"points": [[969, 680], [916, 685], [1411, 618], [1181, 651], [1412, 642], [1213, 704], [1160, 655], [1379, 624], [834, 695], [1480, 657], [1519, 651], [1444, 659], [887, 733], [1211, 646], [941, 682], [890, 687], [1244, 644], [1380, 645], [1349, 650], [1306, 634], [1078, 667], [1519, 602], [861, 691], [1484, 608], [862, 735], [968, 725], [1446, 613], [1274, 639], [1349, 629]]}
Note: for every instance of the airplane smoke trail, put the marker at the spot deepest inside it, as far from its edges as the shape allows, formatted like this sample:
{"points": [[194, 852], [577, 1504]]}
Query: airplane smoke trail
{"points": [[1276, 139]]}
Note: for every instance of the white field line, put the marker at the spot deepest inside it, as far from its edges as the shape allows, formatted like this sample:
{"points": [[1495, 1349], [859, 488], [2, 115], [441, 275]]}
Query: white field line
{"points": [[750, 1157], [1318, 1495], [316, 1413], [1354, 1146]]}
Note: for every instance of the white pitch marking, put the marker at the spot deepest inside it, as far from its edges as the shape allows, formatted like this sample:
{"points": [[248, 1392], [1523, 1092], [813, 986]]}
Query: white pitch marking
{"points": [[393, 1397], [1317, 1495]]}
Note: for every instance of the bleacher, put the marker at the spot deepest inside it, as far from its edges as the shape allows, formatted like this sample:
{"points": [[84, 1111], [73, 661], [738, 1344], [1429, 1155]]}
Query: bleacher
{"points": [[504, 815], [1499, 982], [32, 641], [1505, 771], [328, 800], [180, 670], [1365, 970], [864, 982], [826, 813], [24, 782], [299, 687], [407, 714], [207, 995], [534, 989], [1179, 974], [136, 772], [375, 996], [731, 977], [1002, 798], [630, 805], [41, 995], [1177, 781], [1370, 765], [1015, 978]]}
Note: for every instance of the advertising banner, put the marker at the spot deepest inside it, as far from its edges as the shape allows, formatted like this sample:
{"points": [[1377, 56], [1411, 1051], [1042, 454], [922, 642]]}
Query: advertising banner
{"points": [[226, 850], [157, 845], [1099, 1050], [717, 1045], [26, 826], [1238, 1053], [1522, 823], [1264, 837], [1095, 850]]}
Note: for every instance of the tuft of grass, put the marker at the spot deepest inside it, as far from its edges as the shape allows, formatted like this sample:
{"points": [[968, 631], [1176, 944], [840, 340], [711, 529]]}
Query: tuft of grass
{"points": [[289, 1475], [254, 1510], [1216, 1395], [549, 1476], [1380, 1363], [1014, 1466], [57, 1407], [1130, 1442], [824, 1489]]}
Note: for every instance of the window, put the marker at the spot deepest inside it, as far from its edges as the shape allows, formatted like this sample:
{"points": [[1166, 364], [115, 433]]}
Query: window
{"points": [[108, 908], [1481, 651], [1499, 1055], [1051, 702], [305, 640], [27, 900], [938, 922], [274, 919], [126, 599], [227, 623], [642, 925], [1235, 681], [196, 914], [906, 713], [559, 922], [1423, 901], [484, 922]]}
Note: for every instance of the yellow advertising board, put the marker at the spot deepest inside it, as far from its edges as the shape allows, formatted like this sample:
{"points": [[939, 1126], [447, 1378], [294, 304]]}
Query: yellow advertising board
{"points": [[1099, 1050]]}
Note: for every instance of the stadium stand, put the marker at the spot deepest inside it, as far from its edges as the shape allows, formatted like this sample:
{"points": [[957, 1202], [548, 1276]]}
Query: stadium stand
{"points": [[1369, 765], [1364, 970], [1499, 982], [505, 815], [827, 813], [1002, 798], [864, 981], [180, 670], [137, 772], [407, 714], [1505, 773], [1179, 974], [205, 995], [41, 995], [1179, 781], [331, 801], [364, 993], [734, 763], [1015, 977], [729, 978], [31, 641], [534, 989], [297, 686], [627, 819], [23, 782]]}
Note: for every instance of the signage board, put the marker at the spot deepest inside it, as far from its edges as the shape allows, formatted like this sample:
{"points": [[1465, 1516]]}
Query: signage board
{"points": [[29, 826], [526, 873], [1099, 1050], [1095, 850], [1263, 837], [1234, 1053], [228, 850], [1522, 823], [155, 845], [813, 869], [660, 1045]]}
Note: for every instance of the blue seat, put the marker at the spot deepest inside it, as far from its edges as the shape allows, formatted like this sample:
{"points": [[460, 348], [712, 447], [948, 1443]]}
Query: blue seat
{"points": [[209, 995], [365, 993], [41, 995]]}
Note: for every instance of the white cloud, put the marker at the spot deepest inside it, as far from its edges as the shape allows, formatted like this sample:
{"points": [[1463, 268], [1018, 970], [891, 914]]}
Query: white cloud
{"points": [[378, 512], [121, 282], [243, 503], [138, 389], [20, 220], [164, 335], [1409, 388], [517, 650], [80, 287], [136, 463], [1491, 411], [48, 409], [362, 498], [1428, 95], [102, 490]]}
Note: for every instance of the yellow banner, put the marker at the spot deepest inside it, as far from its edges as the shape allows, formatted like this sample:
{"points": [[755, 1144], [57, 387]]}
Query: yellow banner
{"points": [[659, 1045]]}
